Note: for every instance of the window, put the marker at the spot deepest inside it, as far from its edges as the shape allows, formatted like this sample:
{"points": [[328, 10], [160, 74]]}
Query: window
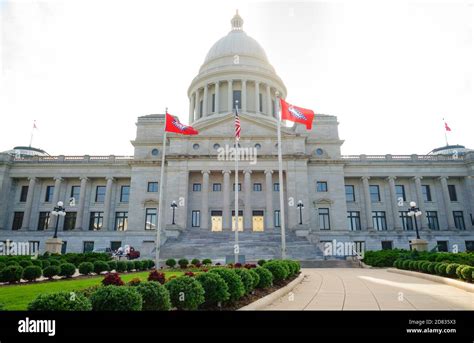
{"points": [[387, 245], [64, 248], [216, 187], [321, 186], [200, 108], [114, 245], [96, 221], [324, 223], [75, 192], [214, 102], [233, 187], [150, 219], [121, 221], [276, 187], [276, 218], [350, 193], [258, 146], [400, 191], [23, 193], [216, 146], [452, 193], [49, 193], [432, 217], [237, 95], [459, 220], [353, 220], [407, 221], [196, 187], [43, 221], [442, 246], [469, 246], [17, 220], [152, 187], [379, 221], [88, 246], [124, 193], [69, 221], [257, 187], [425, 189], [374, 193], [100, 193], [155, 152], [260, 102], [195, 146], [196, 218]]}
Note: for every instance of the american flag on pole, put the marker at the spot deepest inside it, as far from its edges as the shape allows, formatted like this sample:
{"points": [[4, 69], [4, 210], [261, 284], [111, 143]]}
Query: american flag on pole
{"points": [[237, 123]]}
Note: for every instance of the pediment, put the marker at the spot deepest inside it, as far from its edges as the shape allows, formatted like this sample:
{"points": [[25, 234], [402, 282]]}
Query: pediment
{"points": [[150, 202], [322, 201]]}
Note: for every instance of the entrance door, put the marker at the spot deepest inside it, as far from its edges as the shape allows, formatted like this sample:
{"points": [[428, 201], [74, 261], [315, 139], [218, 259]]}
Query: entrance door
{"points": [[241, 221], [216, 220], [257, 221]]}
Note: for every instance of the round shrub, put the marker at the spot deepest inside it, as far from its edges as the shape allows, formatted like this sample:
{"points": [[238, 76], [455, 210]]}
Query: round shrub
{"points": [[134, 282], [459, 271], [113, 298], [195, 261], [12, 263], [67, 270], [183, 263], [186, 293], [424, 266], [442, 269], [60, 301], [31, 273], [397, 262], [85, 268], [171, 262], [266, 277], [215, 288], [2, 265], [246, 278], [150, 264], [419, 265], [38, 263], [130, 265], [431, 267], [121, 266], [100, 266], [255, 277], [51, 271], [207, 261], [466, 273], [277, 269], [25, 263], [157, 276], [261, 262], [45, 263], [54, 262], [406, 264], [155, 296], [412, 265], [233, 281], [294, 267], [112, 265], [451, 269], [138, 265], [112, 279]]}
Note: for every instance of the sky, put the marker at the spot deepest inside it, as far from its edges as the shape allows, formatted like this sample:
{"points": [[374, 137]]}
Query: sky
{"points": [[85, 70]]}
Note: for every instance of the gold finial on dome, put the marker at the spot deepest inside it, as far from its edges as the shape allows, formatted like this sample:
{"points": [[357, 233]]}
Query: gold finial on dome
{"points": [[237, 21]]}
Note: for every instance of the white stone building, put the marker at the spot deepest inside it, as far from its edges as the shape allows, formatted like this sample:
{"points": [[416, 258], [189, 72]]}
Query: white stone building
{"points": [[113, 200]]}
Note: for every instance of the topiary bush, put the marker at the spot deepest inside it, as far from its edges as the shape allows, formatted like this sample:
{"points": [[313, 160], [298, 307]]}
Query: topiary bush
{"points": [[207, 261], [85, 268], [60, 301], [451, 269], [54, 262], [183, 263], [431, 267], [171, 262], [255, 277], [121, 266], [157, 276], [215, 289], [459, 271], [31, 273], [466, 273], [425, 266], [155, 296], [67, 270], [266, 277], [138, 265], [150, 264], [406, 264], [130, 266], [247, 279], [261, 262], [112, 279], [25, 263], [186, 293], [45, 263], [100, 266], [278, 270], [196, 262], [134, 282], [113, 298], [51, 271], [112, 265], [411, 265], [37, 263], [233, 281]]}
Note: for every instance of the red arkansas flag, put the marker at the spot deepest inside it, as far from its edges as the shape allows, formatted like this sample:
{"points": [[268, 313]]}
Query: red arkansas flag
{"points": [[296, 114], [446, 127], [173, 125]]}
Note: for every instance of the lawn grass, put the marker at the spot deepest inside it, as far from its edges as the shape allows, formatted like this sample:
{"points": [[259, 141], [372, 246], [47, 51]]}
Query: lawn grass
{"points": [[17, 297]]}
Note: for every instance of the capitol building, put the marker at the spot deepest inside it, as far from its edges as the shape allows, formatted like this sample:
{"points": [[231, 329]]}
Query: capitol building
{"points": [[112, 201]]}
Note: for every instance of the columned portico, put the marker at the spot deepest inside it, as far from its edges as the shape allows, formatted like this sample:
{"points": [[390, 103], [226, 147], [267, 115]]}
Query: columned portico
{"points": [[226, 217], [205, 101], [269, 199], [54, 202], [26, 225], [368, 202], [107, 202], [244, 96], [394, 202], [247, 202], [447, 202], [257, 97], [205, 200], [420, 202], [230, 93], [216, 98], [82, 199]]}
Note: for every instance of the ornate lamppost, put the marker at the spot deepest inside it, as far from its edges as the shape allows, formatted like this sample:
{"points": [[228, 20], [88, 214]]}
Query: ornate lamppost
{"points": [[300, 206], [173, 207]]}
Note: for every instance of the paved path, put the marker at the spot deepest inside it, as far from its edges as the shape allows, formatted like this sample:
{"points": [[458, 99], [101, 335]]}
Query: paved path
{"points": [[370, 289]]}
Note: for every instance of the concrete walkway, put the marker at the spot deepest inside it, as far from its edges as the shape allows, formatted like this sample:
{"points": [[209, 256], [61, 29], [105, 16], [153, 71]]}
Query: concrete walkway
{"points": [[370, 289]]}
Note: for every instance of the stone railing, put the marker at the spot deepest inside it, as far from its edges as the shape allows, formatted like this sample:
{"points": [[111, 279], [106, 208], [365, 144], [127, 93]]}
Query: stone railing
{"points": [[73, 159], [396, 158]]}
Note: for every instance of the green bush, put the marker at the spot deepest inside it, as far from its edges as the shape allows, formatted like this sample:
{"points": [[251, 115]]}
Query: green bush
{"points": [[293, 266], [183, 263], [278, 270], [411, 265], [406, 264], [87, 292], [150, 264], [25, 263], [155, 296], [60, 301], [233, 281], [138, 265], [381, 258], [100, 266], [215, 288], [67, 270], [255, 277], [112, 265], [451, 269], [85, 268], [121, 266], [51, 271], [266, 277], [171, 262], [246, 278], [130, 266], [466, 273], [207, 261], [45, 263], [195, 261], [459, 271], [116, 298], [2, 265], [54, 262], [419, 265], [442, 269], [261, 262], [425, 266], [37, 263], [31, 273], [431, 267], [186, 293]]}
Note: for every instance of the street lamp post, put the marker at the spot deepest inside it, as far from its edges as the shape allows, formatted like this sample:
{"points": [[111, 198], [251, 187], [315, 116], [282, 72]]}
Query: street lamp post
{"points": [[173, 207], [414, 212], [300, 206], [58, 211]]}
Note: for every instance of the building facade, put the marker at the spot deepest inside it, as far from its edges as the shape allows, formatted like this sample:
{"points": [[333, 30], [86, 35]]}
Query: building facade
{"points": [[113, 200]]}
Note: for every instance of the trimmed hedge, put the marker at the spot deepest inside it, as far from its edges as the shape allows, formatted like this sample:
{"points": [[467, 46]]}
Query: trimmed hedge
{"points": [[60, 301], [11, 274], [255, 277], [85, 268], [100, 266], [31, 273], [67, 270], [130, 266], [51, 271], [121, 266], [116, 298], [186, 293], [246, 279], [386, 258], [215, 289], [171, 262], [266, 277], [155, 296], [279, 269], [233, 281]]}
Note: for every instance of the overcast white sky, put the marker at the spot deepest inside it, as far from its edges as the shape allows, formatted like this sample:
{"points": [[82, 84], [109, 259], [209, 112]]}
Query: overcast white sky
{"points": [[85, 70]]}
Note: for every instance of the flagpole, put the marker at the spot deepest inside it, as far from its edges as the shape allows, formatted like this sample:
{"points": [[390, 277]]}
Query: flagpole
{"points": [[32, 132], [445, 133], [236, 191], [160, 201], [280, 178]]}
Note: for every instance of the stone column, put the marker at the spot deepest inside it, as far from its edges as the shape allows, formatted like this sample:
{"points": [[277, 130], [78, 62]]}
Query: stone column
{"points": [[226, 217], [269, 198], [54, 201], [447, 202], [247, 199], [205, 200], [204, 102], [196, 105], [216, 105], [191, 108], [257, 97], [244, 95], [107, 203], [394, 203], [368, 203], [269, 102], [82, 201], [29, 204], [230, 94], [420, 202], [469, 199]]}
